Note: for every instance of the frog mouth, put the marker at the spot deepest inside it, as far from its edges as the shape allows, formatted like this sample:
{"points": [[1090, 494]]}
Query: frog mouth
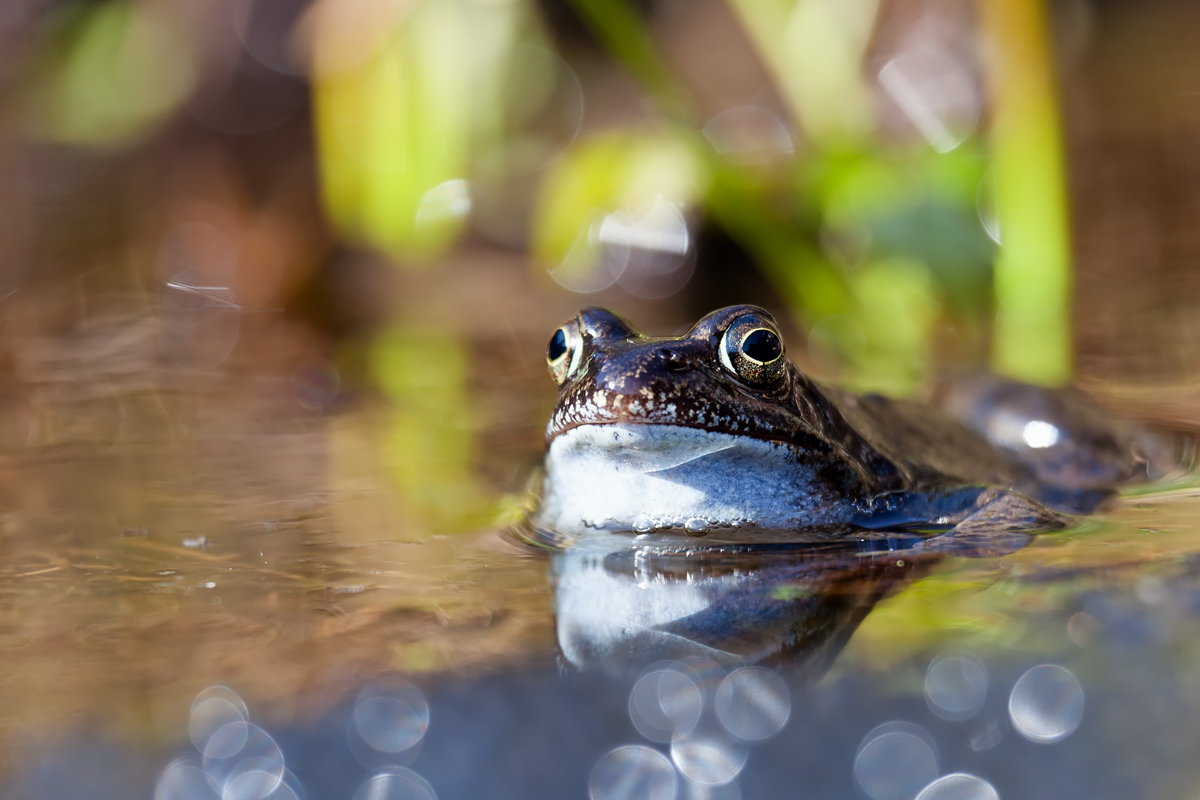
{"points": [[601, 407], [604, 408]]}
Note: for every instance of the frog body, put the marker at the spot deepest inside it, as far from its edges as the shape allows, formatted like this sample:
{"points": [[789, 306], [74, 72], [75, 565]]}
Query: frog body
{"points": [[717, 429]]}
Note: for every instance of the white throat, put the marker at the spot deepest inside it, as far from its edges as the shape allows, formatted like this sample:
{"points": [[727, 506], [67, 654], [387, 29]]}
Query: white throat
{"points": [[631, 477]]}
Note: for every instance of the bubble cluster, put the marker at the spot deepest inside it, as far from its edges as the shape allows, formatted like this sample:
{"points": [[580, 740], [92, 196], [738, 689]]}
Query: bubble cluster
{"points": [[708, 744], [235, 759], [665, 703], [243, 762], [214, 708]]}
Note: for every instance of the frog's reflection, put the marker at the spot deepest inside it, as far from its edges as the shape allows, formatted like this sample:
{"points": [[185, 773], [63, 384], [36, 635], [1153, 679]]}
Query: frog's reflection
{"points": [[622, 604]]}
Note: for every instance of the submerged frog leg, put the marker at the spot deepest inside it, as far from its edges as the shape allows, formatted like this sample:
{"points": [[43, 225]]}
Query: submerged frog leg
{"points": [[1001, 510]]}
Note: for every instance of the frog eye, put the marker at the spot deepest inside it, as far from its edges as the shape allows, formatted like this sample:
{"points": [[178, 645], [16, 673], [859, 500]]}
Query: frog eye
{"points": [[753, 351], [564, 353]]}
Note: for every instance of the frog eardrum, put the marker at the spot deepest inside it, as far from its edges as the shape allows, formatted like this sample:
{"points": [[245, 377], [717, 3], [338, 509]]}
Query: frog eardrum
{"points": [[753, 350]]}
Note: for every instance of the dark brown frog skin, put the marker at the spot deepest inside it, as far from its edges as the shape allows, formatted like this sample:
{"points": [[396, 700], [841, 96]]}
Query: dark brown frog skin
{"points": [[888, 462]]}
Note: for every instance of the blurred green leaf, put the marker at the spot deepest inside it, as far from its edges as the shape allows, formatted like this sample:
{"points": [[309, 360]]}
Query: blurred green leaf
{"points": [[619, 171], [896, 305], [121, 70], [814, 49], [402, 100], [1032, 336]]}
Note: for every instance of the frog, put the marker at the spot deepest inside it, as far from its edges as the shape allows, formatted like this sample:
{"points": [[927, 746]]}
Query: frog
{"points": [[717, 430]]}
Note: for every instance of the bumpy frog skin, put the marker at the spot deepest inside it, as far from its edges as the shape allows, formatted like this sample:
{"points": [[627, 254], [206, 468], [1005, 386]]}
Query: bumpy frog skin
{"points": [[718, 429]]}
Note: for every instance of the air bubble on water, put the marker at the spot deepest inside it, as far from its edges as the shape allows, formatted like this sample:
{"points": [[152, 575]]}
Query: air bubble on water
{"points": [[183, 779], [753, 703], [395, 783], [642, 524], [633, 772], [959, 786], [696, 525], [708, 758], [1046, 704], [955, 686], [664, 703], [391, 719], [895, 760], [211, 709]]}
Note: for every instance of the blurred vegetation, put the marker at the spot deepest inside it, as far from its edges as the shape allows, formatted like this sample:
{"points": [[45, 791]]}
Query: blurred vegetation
{"points": [[869, 179]]}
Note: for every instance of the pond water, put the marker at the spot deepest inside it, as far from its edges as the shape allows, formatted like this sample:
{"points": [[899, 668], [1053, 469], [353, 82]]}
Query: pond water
{"points": [[203, 598]]}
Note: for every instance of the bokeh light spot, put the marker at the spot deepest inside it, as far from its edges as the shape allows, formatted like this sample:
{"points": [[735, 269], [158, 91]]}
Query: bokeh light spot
{"points": [[1046, 704], [395, 783], [959, 786], [753, 703], [708, 759], [895, 760], [633, 772], [665, 703], [212, 709], [391, 721], [955, 686]]}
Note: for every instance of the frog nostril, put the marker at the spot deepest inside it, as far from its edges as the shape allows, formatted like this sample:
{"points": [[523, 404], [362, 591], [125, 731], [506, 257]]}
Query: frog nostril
{"points": [[673, 360]]}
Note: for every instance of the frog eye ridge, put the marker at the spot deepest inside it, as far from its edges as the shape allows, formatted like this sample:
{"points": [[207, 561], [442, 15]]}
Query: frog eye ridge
{"points": [[753, 350], [564, 353]]}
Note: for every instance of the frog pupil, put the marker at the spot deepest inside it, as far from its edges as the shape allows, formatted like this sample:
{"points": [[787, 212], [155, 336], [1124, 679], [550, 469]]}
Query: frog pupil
{"points": [[762, 345], [558, 345]]}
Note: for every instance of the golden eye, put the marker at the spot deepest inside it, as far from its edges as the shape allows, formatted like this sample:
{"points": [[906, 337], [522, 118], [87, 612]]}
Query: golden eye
{"points": [[753, 351], [564, 352]]}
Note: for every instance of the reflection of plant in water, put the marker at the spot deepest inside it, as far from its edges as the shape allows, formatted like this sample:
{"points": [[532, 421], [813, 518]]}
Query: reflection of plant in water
{"points": [[990, 605], [429, 435]]}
